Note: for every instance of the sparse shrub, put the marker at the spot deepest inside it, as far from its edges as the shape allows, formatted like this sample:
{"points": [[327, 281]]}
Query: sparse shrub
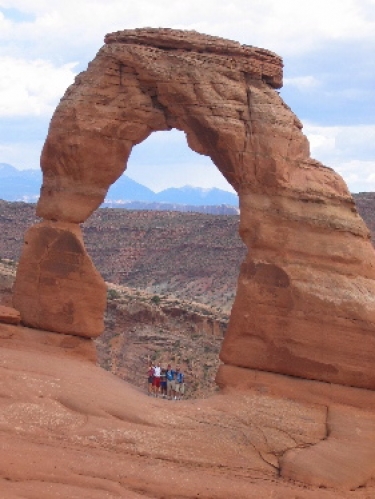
{"points": [[112, 294], [156, 299]]}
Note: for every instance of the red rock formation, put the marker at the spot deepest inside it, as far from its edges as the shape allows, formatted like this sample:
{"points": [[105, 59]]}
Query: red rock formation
{"points": [[57, 287], [305, 303], [9, 315]]}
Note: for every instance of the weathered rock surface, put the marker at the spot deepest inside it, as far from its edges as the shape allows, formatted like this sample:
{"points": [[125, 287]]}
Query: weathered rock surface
{"points": [[345, 458], [70, 429], [57, 287], [9, 315]]}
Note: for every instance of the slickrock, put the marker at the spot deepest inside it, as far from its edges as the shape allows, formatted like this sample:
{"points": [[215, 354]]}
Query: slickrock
{"points": [[345, 458], [9, 315], [71, 429]]}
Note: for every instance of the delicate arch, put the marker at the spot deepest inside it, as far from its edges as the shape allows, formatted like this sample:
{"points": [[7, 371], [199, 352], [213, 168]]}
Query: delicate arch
{"points": [[298, 220]]}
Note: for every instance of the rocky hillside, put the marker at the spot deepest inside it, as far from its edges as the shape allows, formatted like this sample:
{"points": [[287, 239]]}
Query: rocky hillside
{"points": [[193, 256], [365, 202], [7, 275]]}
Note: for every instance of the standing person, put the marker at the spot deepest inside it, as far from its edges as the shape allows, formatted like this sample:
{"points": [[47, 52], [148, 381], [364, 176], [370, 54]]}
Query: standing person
{"points": [[180, 384], [171, 382], [156, 381], [163, 382], [150, 378]]}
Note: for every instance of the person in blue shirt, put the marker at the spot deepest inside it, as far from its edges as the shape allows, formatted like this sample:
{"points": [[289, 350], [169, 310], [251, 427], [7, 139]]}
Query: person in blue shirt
{"points": [[179, 384], [171, 382]]}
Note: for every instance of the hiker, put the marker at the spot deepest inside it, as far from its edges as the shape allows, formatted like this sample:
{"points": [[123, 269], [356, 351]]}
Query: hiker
{"points": [[156, 380], [180, 384], [171, 381], [150, 378], [163, 382]]}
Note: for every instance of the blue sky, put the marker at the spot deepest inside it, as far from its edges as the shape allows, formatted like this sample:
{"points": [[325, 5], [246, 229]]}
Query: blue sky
{"points": [[329, 75]]}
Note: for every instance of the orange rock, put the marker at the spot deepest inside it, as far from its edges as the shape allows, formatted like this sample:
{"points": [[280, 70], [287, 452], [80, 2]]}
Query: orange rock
{"points": [[57, 287], [71, 429], [9, 315]]}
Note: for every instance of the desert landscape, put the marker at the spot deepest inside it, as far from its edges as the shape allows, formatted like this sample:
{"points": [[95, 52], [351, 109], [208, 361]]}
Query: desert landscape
{"points": [[283, 316]]}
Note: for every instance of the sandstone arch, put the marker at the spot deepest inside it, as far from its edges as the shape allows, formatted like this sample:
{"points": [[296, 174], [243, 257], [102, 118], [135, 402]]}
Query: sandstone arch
{"points": [[305, 301]]}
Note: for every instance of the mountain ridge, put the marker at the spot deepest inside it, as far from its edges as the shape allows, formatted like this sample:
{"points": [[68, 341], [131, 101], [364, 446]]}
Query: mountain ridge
{"points": [[24, 185]]}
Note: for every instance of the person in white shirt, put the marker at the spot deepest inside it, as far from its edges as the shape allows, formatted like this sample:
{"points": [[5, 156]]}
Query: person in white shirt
{"points": [[156, 381]]}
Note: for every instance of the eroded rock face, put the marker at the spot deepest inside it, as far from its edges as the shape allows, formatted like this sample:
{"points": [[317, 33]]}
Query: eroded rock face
{"points": [[9, 315], [305, 303], [57, 286]]}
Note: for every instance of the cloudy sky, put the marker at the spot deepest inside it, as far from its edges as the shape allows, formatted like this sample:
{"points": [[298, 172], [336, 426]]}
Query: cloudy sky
{"points": [[328, 48]]}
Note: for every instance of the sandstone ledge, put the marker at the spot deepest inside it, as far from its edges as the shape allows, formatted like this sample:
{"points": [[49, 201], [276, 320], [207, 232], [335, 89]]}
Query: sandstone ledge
{"points": [[256, 61], [46, 342], [9, 315]]}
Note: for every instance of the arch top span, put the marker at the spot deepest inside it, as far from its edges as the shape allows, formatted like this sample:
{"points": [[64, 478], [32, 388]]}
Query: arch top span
{"points": [[257, 62], [219, 92]]}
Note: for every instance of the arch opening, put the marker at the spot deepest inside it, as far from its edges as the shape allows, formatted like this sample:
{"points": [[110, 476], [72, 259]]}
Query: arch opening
{"points": [[164, 160], [171, 275]]}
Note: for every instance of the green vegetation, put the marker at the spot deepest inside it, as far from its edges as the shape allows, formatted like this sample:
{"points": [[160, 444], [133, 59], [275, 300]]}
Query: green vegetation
{"points": [[156, 299], [112, 294]]}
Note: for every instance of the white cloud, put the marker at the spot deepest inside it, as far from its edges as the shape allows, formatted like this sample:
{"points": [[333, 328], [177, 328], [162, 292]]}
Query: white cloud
{"points": [[23, 155], [350, 150], [5, 24], [359, 175], [287, 27], [32, 87], [335, 143], [302, 82]]}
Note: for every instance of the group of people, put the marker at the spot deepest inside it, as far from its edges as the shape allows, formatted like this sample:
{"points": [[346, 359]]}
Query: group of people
{"points": [[166, 382]]}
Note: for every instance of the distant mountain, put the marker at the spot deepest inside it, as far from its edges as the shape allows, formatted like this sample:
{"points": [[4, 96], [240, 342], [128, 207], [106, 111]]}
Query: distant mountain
{"points": [[7, 170], [24, 185], [126, 189], [17, 185], [196, 196]]}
